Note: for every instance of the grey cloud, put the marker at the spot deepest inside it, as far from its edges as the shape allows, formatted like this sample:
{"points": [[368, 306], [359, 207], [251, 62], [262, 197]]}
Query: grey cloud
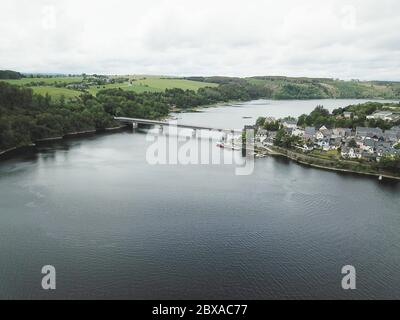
{"points": [[336, 38]]}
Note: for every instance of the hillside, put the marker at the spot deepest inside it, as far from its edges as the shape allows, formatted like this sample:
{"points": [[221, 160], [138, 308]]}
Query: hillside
{"points": [[270, 87], [319, 88], [73, 86]]}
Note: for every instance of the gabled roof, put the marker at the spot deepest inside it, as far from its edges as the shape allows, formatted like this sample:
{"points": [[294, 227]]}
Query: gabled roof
{"points": [[290, 122], [309, 131], [369, 132]]}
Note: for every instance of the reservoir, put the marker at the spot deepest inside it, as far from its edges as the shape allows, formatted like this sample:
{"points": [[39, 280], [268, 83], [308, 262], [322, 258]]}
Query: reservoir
{"points": [[115, 226]]}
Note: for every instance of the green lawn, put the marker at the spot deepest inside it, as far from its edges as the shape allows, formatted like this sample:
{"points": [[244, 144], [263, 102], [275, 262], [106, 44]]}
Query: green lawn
{"points": [[328, 155]]}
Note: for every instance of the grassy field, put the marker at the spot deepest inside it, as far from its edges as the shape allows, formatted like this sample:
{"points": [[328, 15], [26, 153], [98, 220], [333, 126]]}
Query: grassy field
{"points": [[164, 83], [139, 85], [138, 88], [154, 84], [328, 155], [56, 93], [48, 81]]}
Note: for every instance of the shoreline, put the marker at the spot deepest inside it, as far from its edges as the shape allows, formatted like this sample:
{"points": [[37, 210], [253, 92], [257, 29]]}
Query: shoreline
{"points": [[229, 103], [273, 152], [207, 106], [11, 152], [15, 151]]}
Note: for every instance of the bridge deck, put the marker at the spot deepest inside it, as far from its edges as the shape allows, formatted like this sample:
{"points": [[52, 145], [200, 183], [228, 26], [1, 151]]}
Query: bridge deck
{"points": [[173, 124]]}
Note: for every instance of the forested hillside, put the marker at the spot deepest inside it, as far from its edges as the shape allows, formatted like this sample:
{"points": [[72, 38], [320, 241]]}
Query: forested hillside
{"points": [[321, 88], [26, 117], [28, 114], [286, 88]]}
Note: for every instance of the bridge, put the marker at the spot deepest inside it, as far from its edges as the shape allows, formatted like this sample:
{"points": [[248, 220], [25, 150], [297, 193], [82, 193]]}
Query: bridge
{"points": [[135, 123]]}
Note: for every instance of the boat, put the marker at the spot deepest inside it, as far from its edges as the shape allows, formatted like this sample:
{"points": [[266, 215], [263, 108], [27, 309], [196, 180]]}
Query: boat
{"points": [[247, 117], [221, 145]]}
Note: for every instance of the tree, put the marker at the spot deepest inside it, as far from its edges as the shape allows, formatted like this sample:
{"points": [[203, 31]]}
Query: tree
{"points": [[285, 140], [390, 162], [272, 126], [260, 122], [353, 143]]}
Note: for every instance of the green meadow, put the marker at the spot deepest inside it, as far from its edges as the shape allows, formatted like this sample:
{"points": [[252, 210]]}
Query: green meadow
{"points": [[47, 81], [138, 84], [56, 92], [170, 83], [154, 84]]}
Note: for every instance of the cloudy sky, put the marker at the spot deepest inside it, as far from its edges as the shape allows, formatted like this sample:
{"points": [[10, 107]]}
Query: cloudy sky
{"points": [[331, 38]]}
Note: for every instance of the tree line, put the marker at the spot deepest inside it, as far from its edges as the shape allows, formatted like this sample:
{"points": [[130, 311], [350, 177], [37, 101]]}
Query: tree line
{"points": [[10, 75]]}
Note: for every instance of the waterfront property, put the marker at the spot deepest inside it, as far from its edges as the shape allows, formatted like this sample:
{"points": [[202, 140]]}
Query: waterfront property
{"points": [[369, 144]]}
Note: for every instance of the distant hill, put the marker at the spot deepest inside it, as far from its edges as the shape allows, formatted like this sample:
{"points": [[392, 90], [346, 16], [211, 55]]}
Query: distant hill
{"points": [[269, 87], [10, 75], [280, 87]]}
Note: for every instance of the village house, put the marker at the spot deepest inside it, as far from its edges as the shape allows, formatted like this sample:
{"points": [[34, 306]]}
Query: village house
{"points": [[368, 156], [262, 133], [298, 132], [342, 132], [371, 143], [309, 133], [323, 143], [392, 136], [365, 132], [319, 135], [368, 145], [291, 124], [351, 153], [335, 143], [384, 115], [347, 115]]}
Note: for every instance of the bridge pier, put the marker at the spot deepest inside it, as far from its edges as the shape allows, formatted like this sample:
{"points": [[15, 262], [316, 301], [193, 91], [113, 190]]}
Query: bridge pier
{"points": [[194, 133], [134, 125]]}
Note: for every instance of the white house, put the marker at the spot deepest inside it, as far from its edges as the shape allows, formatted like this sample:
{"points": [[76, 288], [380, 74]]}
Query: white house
{"points": [[319, 135], [351, 153], [298, 132], [291, 124]]}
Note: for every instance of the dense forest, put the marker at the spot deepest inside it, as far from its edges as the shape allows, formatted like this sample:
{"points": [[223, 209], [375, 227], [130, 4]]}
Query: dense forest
{"points": [[26, 117]]}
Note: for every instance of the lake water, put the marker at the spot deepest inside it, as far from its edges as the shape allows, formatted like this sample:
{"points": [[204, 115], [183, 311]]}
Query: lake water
{"points": [[115, 226]]}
